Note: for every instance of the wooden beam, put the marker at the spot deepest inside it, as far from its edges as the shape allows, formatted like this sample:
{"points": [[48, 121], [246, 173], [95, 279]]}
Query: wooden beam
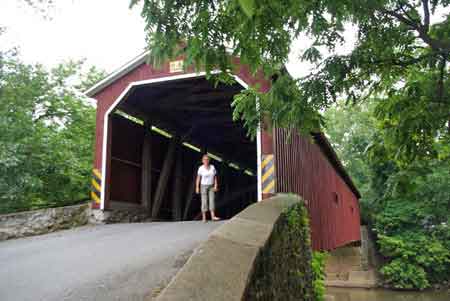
{"points": [[131, 163], [146, 174], [168, 126], [188, 137], [233, 160], [190, 193], [132, 112], [163, 180], [201, 109], [212, 119], [178, 186], [193, 98], [171, 128], [212, 95]]}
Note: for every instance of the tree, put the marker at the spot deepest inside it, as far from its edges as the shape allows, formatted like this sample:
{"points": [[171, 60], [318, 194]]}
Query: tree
{"points": [[400, 56], [47, 130], [395, 143], [407, 205]]}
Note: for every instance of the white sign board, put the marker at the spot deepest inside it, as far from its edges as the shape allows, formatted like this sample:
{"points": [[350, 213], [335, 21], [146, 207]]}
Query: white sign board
{"points": [[176, 66]]}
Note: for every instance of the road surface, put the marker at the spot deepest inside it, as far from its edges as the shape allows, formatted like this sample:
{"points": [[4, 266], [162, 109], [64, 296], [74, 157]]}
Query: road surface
{"points": [[108, 262]]}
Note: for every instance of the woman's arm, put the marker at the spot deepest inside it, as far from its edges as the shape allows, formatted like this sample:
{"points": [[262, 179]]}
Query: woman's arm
{"points": [[197, 185], [216, 184]]}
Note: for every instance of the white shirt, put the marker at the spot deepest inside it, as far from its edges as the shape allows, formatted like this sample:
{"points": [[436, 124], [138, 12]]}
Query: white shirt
{"points": [[207, 174]]}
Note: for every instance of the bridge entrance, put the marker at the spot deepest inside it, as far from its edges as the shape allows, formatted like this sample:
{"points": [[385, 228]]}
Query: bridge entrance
{"points": [[157, 133], [153, 124]]}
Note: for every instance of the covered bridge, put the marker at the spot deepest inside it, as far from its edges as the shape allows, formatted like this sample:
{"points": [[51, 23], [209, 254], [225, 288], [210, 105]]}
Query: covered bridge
{"points": [[153, 125]]}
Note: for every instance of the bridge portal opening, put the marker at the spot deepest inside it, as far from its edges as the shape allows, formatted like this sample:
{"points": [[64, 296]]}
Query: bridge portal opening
{"points": [[157, 134]]}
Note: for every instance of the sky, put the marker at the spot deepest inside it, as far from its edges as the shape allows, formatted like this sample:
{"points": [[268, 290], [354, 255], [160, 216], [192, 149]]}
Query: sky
{"points": [[105, 33]]}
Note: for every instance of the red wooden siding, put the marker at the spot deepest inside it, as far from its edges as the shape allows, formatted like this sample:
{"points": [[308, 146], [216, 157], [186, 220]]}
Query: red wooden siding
{"points": [[302, 168], [126, 156], [106, 97]]}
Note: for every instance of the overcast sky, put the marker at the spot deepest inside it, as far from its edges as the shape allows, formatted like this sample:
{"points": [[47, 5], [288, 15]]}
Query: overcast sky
{"points": [[106, 33]]}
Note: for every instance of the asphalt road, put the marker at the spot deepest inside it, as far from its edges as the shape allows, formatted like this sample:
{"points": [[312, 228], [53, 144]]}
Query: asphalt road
{"points": [[108, 262]]}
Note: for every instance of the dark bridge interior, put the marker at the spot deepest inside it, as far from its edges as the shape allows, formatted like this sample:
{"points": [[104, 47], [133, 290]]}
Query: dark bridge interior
{"points": [[159, 133]]}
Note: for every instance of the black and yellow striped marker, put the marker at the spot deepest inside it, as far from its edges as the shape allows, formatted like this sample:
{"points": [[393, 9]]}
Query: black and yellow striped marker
{"points": [[96, 182], [268, 174]]}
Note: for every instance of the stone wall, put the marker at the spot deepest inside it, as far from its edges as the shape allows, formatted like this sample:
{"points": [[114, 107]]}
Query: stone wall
{"points": [[353, 266], [263, 253], [36, 222], [98, 216], [283, 268]]}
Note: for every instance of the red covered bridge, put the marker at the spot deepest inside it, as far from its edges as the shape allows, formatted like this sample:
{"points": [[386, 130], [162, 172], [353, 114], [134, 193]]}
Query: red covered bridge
{"points": [[153, 124]]}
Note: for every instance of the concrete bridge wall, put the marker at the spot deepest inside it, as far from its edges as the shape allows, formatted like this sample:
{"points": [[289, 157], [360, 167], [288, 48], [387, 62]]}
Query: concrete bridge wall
{"points": [[263, 253]]}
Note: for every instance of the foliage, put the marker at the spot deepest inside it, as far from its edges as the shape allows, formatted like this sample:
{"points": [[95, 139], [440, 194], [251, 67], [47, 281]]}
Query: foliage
{"points": [[406, 203], [412, 226], [402, 274], [318, 269], [283, 270], [417, 260], [352, 130], [298, 224], [46, 137], [297, 220], [395, 143], [401, 55]]}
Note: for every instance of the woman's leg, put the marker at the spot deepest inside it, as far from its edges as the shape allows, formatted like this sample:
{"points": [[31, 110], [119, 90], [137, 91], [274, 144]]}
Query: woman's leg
{"points": [[204, 198], [212, 204]]}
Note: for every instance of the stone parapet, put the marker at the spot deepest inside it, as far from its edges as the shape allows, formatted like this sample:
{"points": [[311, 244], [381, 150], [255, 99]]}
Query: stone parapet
{"points": [[263, 253], [43, 221]]}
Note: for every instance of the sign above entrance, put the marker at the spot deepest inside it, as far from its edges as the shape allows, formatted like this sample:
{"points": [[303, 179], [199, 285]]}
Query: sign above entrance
{"points": [[176, 66]]}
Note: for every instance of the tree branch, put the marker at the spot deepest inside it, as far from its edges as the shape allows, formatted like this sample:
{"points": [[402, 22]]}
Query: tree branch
{"points": [[436, 45], [426, 13], [411, 18], [405, 62], [442, 65], [401, 18]]}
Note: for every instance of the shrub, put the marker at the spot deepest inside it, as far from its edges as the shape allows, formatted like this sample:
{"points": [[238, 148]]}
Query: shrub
{"points": [[399, 273], [412, 227], [318, 269], [415, 260]]}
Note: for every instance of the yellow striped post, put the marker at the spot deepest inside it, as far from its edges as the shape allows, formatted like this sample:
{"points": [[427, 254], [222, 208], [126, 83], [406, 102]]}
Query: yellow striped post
{"points": [[268, 174], [96, 189]]}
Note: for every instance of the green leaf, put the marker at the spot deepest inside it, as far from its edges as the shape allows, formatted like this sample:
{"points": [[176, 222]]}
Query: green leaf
{"points": [[248, 6]]}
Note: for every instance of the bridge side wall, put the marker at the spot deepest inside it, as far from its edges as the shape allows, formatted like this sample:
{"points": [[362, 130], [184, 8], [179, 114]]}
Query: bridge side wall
{"points": [[303, 169], [36, 222], [263, 253]]}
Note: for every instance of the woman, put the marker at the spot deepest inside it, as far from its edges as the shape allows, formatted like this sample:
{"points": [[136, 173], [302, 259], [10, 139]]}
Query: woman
{"points": [[206, 184]]}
